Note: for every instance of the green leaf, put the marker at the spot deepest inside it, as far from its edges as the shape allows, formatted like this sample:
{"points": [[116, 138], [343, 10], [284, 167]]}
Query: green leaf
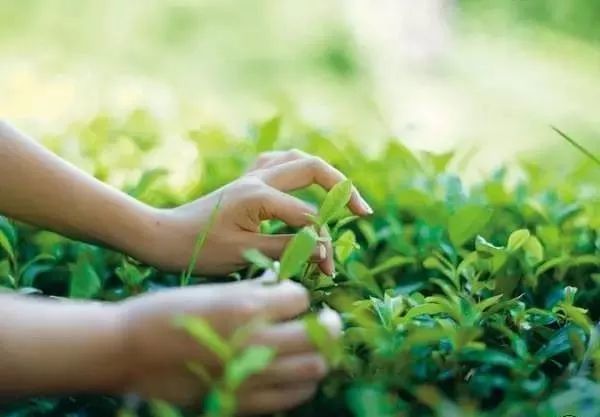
{"points": [[297, 253], [6, 245], [159, 408], [391, 263], [488, 356], [578, 316], [252, 360], [559, 343], [205, 335], [517, 239], [345, 245], [200, 241], [336, 199], [427, 309], [486, 248], [322, 339], [343, 222], [534, 251], [577, 145], [257, 258], [268, 133], [84, 282], [467, 222], [485, 304], [132, 275]]}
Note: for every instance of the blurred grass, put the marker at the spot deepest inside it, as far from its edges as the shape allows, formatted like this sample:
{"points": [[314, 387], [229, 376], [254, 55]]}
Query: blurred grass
{"points": [[495, 80]]}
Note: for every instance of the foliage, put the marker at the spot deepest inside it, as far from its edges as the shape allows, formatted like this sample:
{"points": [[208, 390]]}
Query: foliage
{"points": [[458, 300]]}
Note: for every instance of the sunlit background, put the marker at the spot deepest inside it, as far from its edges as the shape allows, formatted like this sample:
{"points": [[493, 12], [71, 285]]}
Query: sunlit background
{"points": [[435, 74]]}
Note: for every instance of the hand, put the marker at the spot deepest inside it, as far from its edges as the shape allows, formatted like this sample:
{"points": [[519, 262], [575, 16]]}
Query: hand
{"points": [[243, 205], [156, 349]]}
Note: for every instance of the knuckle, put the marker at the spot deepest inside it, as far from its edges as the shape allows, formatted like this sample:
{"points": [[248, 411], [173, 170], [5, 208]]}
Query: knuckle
{"points": [[297, 153], [296, 294], [315, 367], [314, 162], [247, 308]]}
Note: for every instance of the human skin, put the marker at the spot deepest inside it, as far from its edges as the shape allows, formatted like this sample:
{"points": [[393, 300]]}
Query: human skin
{"points": [[52, 347]]}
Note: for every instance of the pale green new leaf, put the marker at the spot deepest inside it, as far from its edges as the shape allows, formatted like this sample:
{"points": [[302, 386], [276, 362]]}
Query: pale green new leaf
{"points": [[517, 239], [159, 408], [297, 253], [251, 361], [534, 250], [257, 258], [336, 199], [268, 133], [322, 339], [206, 336], [345, 245]]}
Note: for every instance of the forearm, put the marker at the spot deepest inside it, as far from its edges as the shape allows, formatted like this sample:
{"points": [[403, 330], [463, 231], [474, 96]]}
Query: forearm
{"points": [[53, 347], [39, 188]]}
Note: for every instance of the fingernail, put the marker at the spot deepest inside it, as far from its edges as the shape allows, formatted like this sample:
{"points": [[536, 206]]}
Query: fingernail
{"points": [[365, 206], [320, 253]]}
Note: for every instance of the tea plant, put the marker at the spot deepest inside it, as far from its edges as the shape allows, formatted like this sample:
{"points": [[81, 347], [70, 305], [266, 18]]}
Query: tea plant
{"points": [[477, 301]]}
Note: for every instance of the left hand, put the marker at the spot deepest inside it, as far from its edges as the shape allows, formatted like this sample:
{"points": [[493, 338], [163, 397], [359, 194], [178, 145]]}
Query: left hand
{"points": [[261, 194]]}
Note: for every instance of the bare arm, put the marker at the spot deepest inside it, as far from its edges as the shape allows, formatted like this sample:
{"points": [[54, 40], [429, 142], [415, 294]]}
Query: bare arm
{"points": [[39, 188], [50, 347]]}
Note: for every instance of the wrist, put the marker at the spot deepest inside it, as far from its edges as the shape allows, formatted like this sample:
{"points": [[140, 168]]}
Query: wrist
{"points": [[143, 234], [112, 335]]}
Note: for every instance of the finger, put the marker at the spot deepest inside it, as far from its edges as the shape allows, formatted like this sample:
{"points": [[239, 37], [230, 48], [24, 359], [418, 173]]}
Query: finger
{"points": [[274, 245], [272, 158], [282, 301], [289, 370], [312, 170], [327, 265], [264, 159], [275, 399], [290, 338], [289, 209]]}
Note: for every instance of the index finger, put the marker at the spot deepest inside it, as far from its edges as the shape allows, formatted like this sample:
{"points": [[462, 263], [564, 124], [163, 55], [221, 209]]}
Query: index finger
{"points": [[301, 173], [282, 301]]}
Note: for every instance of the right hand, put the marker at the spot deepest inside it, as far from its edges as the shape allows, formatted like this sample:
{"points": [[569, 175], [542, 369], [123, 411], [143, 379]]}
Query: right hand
{"points": [[261, 194], [156, 350]]}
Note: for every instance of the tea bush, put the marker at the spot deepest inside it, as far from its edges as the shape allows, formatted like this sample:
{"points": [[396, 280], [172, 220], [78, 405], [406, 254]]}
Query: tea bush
{"points": [[458, 300]]}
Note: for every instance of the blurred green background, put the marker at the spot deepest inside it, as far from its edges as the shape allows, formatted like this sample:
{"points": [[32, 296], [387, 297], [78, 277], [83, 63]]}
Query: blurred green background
{"points": [[437, 74]]}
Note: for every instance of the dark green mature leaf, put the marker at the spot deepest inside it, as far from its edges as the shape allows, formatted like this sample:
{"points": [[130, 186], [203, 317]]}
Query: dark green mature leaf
{"points": [[6, 245], [297, 253], [336, 199], [489, 357], [467, 222], [391, 263], [559, 343], [370, 401]]}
